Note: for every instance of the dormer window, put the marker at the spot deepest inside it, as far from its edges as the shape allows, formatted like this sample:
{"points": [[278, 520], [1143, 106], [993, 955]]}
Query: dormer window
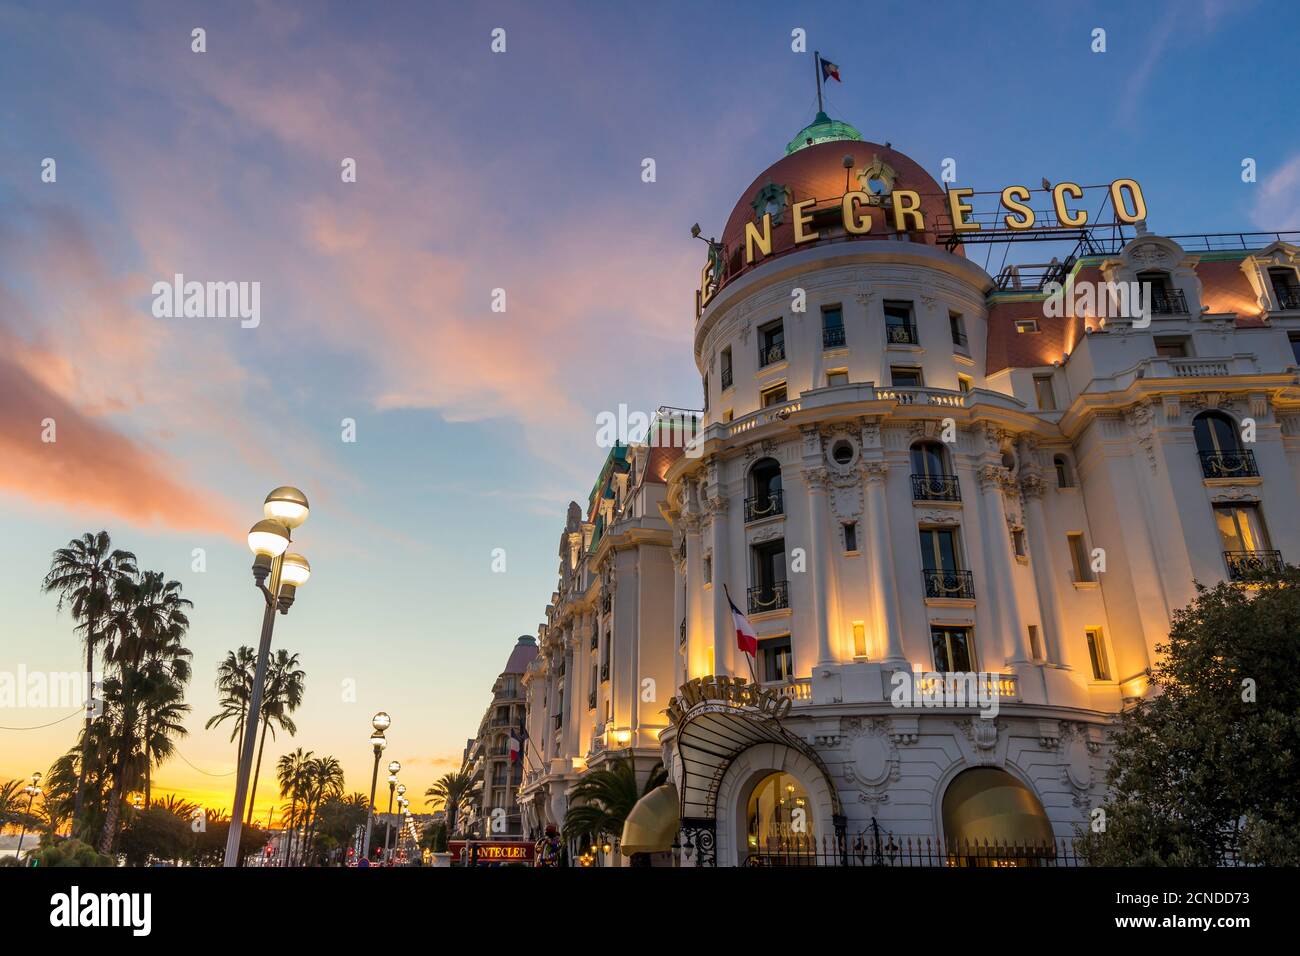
{"points": [[1286, 288], [1165, 299]]}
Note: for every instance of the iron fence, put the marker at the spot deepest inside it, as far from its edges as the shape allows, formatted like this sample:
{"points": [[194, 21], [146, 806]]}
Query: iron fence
{"points": [[876, 848]]}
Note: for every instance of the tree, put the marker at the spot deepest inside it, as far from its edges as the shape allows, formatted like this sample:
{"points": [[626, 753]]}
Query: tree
{"points": [[234, 689], [83, 575], [603, 798], [450, 792], [14, 802], [70, 852], [292, 770], [1207, 766], [154, 834], [281, 696], [324, 776]]}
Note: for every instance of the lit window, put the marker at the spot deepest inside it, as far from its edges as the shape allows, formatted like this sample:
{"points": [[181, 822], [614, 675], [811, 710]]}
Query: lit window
{"points": [[964, 384], [1035, 643], [905, 376], [780, 820], [1026, 325], [1043, 393], [953, 649], [774, 395], [900, 328], [1079, 556], [776, 659], [837, 377], [1097, 654]]}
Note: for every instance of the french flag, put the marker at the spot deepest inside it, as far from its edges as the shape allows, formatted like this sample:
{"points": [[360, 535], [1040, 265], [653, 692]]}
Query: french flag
{"points": [[746, 636], [517, 744], [830, 71]]}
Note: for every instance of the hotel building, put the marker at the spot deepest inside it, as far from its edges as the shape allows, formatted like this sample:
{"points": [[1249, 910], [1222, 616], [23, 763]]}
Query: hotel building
{"points": [[916, 478]]}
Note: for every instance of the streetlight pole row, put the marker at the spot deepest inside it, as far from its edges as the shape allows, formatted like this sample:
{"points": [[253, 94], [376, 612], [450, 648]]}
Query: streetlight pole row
{"points": [[380, 722]]}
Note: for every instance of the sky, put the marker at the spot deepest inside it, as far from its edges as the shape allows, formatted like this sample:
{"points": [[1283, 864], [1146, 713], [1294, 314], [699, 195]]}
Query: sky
{"points": [[475, 171]]}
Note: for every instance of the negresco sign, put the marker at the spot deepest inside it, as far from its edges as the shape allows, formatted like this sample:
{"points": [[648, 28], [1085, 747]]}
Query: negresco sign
{"points": [[729, 690]]}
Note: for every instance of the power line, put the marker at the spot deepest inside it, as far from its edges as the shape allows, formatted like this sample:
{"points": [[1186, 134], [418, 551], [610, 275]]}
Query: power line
{"points": [[200, 769], [80, 710]]}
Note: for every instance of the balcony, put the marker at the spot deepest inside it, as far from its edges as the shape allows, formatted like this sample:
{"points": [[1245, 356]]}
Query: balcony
{"points": [[1228, 464], [935, 488], [1245, 565], [764, 506], [726, 379], [833, 337], [591, 701], [796, 688], [1168, 302], [901, 334], [968, 689], [1288, 300], [940, 583], [960, 342], [771, 354], [604, 672], [772, 597]]}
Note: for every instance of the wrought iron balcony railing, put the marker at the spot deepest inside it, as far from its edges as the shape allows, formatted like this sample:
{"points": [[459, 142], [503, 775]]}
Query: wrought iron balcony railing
{"points": [[1244, 565], [833, 337], [770, 597], [771, 354], [764, 506], [935, 488], [1168, 302], [1288, 299], [1228, 464], [960, 340], [940, 583], [901, 334], [726, 379]]}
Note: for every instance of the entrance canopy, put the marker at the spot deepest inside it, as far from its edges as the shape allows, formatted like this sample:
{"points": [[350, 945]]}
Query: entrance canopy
{"points": [[711, 735], [653, 824]]}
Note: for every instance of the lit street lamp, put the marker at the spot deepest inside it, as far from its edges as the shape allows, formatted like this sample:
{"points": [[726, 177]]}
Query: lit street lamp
{"points": [[380, 722], [285, 509], [393, 769], [32, 790]]}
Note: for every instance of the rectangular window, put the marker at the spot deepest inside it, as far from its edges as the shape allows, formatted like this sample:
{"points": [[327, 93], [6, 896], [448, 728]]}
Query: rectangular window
{"points": [[964, 384], [776, 659], [954, 649], [1241, 528], [1097, 654], [1026, 325], [850, 536], [774, 395], [1018, 541], [905, 376], [708, 569], [725, 362], [769, 578], [1080, 558], [1285, 288], [832, 327], [900, 329], [957, 326], [1295, 348], [838, 377], [859, 639], [939, 550], [1043, 393], [771, 343], [1171, 347], [1035, 643]]}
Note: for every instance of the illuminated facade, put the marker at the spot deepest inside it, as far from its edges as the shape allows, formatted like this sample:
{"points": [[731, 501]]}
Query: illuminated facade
{"points": [[920, 481]]}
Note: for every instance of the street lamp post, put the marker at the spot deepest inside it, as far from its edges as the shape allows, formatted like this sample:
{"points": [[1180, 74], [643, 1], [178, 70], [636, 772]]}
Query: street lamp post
{"points": [[380, 722], [401, 800], [285, 509], [32, 790], [393, 768]]}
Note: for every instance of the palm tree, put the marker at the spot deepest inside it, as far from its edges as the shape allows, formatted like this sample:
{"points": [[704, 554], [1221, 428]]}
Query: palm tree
{"points": [[324, 780], [283, 694], [291, 771], [83, 575], [14, 802], [234, 687], [601, 801], [450, 792], [142, 643]]}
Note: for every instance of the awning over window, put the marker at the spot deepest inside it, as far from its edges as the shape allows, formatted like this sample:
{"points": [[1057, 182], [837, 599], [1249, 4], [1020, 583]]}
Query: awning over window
{"points": [[652, 825], [987, 804]]}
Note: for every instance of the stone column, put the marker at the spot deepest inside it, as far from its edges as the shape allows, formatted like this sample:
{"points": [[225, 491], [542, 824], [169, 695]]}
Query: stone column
{"points": [[816, 480], [1040, 554], [999, 564], [884, 586], [697, 640], [572, 712], [724, 631]]}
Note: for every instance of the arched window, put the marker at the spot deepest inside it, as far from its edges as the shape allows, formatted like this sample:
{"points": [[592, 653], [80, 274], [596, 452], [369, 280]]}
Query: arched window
{"points": [[1219, 447], [932, 478], [1064, 476], [765, 498]]}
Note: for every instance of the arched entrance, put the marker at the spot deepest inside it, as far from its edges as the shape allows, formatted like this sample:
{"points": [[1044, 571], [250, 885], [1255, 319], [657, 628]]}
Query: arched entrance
{"points": [[990, 818]]}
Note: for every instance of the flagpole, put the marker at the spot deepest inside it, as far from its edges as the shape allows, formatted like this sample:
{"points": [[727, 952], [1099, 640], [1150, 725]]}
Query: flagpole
{"points": [[817, 69], [748, 660]]}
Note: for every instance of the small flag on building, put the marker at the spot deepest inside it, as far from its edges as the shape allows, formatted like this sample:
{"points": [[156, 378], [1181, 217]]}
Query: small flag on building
{"points": [[517, 738], [830, 71], [746, 636]]}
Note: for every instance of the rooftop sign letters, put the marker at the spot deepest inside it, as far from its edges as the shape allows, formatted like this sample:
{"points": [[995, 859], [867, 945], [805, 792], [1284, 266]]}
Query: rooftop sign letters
{"points": [[901, 212]]}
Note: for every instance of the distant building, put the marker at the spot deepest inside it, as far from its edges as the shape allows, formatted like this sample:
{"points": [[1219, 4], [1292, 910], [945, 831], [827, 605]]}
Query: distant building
{"points": [[487, 756]]}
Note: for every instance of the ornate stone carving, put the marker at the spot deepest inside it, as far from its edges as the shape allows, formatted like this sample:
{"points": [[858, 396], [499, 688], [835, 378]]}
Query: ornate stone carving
{"points": [[874, 471], [1141, 419], [874, 755], [1033, 486], [983, 733]]}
